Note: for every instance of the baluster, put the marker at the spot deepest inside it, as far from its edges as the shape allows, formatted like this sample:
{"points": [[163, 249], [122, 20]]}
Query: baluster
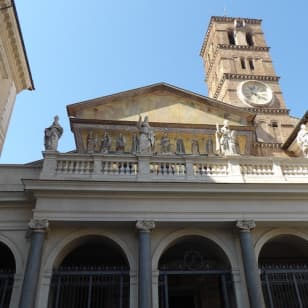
{"points": [[157, 168], [80, 167], [183, 169], [172, 169], [167, 168], [121, 168], [177, 166], [108, 167], [65, 166]]}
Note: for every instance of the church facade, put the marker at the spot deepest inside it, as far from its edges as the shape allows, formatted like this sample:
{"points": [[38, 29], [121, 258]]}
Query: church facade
{"points": [[15, 74], [171, 199]]}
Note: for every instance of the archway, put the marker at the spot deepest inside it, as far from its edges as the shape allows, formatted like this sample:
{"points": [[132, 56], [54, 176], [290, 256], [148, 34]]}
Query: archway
{"points": [[7, 271], [95, 273], [194, 272], [283, 261]]}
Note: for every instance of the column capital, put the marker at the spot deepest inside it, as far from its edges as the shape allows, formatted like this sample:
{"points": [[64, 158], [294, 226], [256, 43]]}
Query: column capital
{"points": [[38, 225], [245, 225], [145, 225]]}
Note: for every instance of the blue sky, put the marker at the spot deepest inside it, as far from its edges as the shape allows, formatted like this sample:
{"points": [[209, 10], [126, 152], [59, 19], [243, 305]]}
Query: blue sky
{"points": [[80, 50]]}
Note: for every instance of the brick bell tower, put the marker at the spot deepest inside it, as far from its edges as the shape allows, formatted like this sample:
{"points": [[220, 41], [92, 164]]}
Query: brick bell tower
{"points": [[239, 71]]}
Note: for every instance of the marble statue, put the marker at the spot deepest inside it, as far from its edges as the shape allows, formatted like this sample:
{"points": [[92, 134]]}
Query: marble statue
{"points": [[91, 142], [106, 143], [226, 143], [195, 147], [180, 148], [120, 143], [146, 136], [165, 145], [302, 139], [135, 144], [52, 135], [209, 147]]}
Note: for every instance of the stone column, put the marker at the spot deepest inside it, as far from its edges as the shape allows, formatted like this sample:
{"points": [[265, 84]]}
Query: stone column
{"points": [[145, 263], [38, 228], [253, 282]]}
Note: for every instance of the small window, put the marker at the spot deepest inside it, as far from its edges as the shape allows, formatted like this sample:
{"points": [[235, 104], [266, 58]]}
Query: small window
{"points": [[249, 39], [274, 124], [251, 64], [231, 37], [243, 64]]}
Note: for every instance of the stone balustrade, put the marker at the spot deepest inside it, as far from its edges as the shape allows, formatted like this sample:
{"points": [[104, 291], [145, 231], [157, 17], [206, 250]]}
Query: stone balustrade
{"points": [[188, 168]]}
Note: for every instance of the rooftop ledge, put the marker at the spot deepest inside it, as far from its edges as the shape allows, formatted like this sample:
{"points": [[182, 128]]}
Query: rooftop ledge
{"points": [[172, 168]]}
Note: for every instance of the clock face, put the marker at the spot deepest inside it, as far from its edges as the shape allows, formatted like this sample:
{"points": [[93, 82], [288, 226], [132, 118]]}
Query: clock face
{"points": [[255, 93]]}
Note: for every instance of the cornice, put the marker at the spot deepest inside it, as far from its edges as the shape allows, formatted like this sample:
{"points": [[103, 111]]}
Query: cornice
{"points": [[224, 19], [156, 190], [268, 110], [15, 52], [231, 76], [244, 47], [267, 145]]}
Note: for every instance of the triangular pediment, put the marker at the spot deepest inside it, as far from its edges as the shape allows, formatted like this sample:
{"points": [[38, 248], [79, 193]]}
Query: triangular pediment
{"points": [[180, 113], [162, 103]]}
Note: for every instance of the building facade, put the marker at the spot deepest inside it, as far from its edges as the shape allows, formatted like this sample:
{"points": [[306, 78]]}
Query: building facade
{"points": [[171, 199], [15, 74]]}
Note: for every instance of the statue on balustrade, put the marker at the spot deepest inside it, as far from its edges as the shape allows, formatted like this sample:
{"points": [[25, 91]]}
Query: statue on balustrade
{"points": [[106, 143], [146, 136], [180, 148], [120, 143], [135, 144], [165, 145], [209, 148], [226, 143], [91, 143], [52, 135], [302, 139], [195, 147]]}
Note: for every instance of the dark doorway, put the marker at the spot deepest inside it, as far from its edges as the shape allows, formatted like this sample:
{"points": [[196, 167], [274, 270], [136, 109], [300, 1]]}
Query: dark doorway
{"points": [[283, 262], [95, 274], [182, 301], [195, 273], [7, 272]]}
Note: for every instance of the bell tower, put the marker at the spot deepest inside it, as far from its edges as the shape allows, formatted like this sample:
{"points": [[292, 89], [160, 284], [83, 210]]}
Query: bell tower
{"points": [[239, 71], [238, 65]]}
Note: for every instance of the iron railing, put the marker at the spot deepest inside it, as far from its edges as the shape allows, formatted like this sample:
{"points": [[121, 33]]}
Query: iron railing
{"points": [[6, 286], [218, 282], [285, 286], [89, 288]]}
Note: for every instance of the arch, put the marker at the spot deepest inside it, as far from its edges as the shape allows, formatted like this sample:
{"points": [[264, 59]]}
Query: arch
{"points": [[274, 233], [71, 241], [249, 39], [231, 38], [19, 262], [177, 235]]}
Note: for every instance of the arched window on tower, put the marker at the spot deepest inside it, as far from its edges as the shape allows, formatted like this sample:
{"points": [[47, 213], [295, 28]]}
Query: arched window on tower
{"points": [[251, 64], [243, 64], [231, 37], [249, 39]]}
